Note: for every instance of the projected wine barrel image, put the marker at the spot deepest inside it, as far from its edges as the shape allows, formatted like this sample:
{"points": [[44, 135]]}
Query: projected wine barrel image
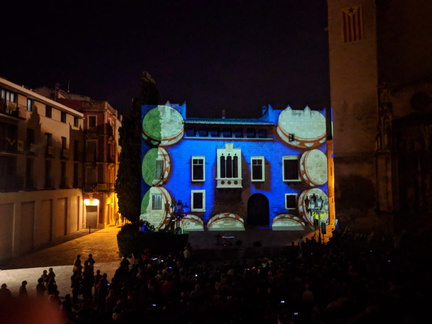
{"points": [[304, 206], [156, 166], [303, 129], [162, 125], [313, 168], [156, 207]]}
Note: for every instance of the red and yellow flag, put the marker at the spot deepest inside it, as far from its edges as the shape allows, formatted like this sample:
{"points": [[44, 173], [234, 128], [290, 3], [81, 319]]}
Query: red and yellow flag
{"points": [[352, 24]]}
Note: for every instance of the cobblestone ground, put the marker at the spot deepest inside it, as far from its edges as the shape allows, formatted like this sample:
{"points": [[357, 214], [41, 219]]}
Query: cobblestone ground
{"points": [[101, 244]]}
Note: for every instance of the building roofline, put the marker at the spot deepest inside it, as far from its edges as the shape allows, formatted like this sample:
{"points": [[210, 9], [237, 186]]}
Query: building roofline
{"points": [[33, 95]]}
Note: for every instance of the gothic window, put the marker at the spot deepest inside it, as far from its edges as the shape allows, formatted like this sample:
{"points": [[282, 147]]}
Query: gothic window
{"points": [[229, 172]]}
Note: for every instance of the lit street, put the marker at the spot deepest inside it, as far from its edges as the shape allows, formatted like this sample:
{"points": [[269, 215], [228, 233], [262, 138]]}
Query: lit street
{"points": [[102, 244]]}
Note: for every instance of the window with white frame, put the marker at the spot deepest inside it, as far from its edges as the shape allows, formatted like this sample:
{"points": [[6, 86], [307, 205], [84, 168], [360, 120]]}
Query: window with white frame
{"points": [[198, 200], [198, 168], [156, 201], [291, 201], [290, 168], [257, 169]]}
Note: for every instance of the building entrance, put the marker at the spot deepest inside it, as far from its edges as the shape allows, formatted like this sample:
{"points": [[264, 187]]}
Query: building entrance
{"points": [[258, 210]]}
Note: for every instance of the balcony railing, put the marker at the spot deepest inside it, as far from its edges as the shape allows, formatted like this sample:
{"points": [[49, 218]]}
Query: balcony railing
{"points": [[9, 108], [49, 183], [9, 145], [50, 151], [64, 183], [30, 183], [11, 182], [65, 154], [31, 148], [100, 187]]}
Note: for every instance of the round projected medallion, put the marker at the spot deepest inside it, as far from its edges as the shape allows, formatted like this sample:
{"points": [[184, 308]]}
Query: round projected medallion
{"points": [[156, 166], [310, 214], [313, 167], [162, 125], [156, 207], [302, 128]]}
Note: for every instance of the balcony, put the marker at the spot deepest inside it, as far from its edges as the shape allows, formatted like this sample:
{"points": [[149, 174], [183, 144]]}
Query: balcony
{"points": [[11, 182], [229, 183], [102, 187], [9, 145], [49, 183], [9, 108], [64, 183], [30, 183], [65, 154], [50, 151], [31, 149]]}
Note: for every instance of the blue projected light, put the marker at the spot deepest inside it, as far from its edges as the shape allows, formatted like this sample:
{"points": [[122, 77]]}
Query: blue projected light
{"points": [[232, 173]]}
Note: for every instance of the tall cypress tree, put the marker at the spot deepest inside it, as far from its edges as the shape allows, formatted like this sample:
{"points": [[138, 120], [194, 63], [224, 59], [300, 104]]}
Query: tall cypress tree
{"points": [[128, 182]]}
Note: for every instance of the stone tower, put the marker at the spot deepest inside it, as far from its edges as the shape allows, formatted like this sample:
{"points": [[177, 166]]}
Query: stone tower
{"points": [[380, 59]]}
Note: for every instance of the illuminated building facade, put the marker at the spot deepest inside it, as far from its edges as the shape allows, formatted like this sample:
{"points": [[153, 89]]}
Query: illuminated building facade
{"points": [[41, 168], [275, 171], [100, 154]]}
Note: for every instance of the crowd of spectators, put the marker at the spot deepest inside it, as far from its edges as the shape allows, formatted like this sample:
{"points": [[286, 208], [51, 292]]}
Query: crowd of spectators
{"points": [[353, 278]]}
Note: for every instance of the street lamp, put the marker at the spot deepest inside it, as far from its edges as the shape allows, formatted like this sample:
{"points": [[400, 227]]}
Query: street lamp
{"points": [[180, 210], [314, 205]]}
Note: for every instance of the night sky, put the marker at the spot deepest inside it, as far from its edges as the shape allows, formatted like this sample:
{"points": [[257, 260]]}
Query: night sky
{"points": [[225, 54]]}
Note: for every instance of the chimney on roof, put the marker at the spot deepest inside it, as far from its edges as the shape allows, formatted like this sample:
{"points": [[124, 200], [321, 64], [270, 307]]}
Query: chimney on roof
{"points": [[223, 113]]}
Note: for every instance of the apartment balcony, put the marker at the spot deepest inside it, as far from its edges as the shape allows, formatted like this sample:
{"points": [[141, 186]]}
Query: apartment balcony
{"points": [[104, 129], [9, 145], [64, 154], [49, 183], [30, 183], [64, 183], [11, 182], [50, 151], [9, 108], [31, 149], [100, 187]]}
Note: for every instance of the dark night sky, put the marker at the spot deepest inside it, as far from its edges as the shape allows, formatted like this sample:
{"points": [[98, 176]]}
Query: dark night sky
{"points": [[225, 54]]}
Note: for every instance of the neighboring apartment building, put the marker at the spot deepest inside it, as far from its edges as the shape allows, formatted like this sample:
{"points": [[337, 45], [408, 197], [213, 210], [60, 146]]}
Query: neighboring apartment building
{"points": [[41, 145], [233, 174], [381, 93], [101, 150]]}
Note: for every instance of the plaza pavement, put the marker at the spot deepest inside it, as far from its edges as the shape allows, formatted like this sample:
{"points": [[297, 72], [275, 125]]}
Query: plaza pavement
{"points": [[102, 244]]}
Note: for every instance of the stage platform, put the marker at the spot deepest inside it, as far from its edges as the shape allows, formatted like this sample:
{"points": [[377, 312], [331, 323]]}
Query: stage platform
{"points": [[246, 245]]}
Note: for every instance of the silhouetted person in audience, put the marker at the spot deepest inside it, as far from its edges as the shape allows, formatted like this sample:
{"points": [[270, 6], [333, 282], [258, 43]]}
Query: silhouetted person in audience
{"points": [[40, 288], [77, 265], [22, 292], [5, 293], [91, 262]]}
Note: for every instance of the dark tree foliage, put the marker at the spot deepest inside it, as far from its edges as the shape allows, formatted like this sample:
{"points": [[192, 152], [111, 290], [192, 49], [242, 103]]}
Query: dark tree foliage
{"points": [[128, 183]]}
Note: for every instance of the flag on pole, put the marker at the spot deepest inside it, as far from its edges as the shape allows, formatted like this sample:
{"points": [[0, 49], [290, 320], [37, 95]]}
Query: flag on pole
{"points": [[352, 24]]}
